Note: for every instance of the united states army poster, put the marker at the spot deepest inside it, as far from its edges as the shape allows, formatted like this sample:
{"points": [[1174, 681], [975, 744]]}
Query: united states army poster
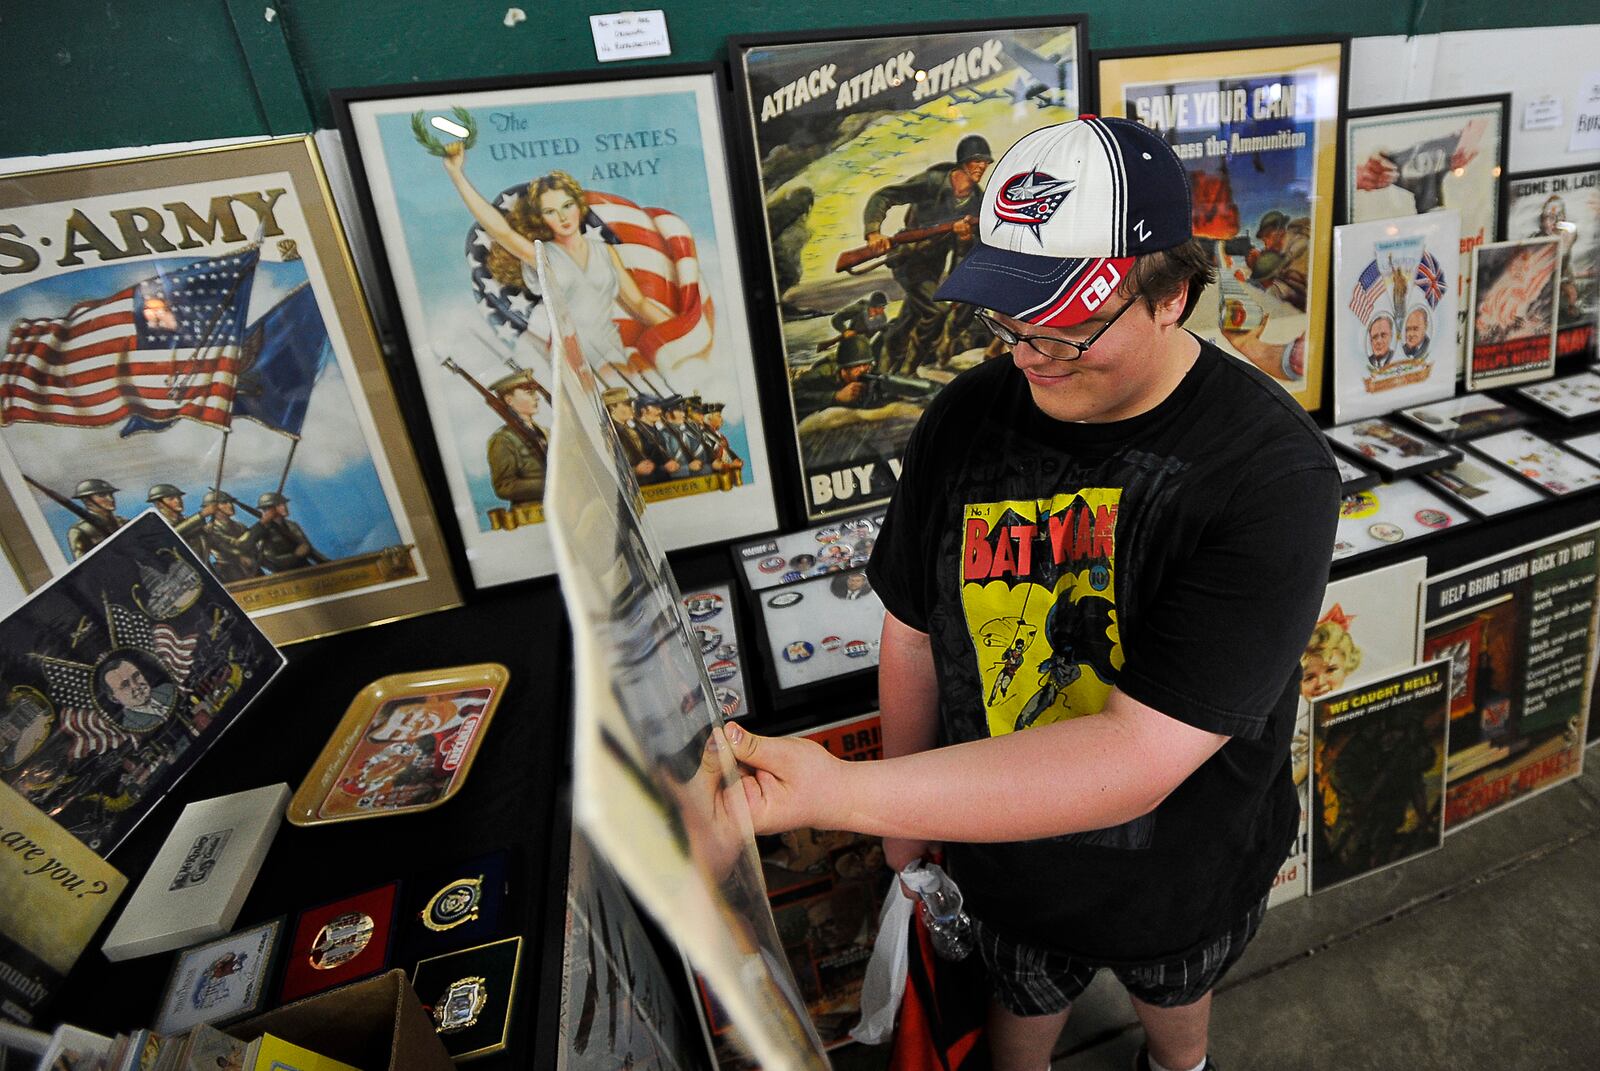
{"points": [[185, 333], [872, 152], [626, 183]]}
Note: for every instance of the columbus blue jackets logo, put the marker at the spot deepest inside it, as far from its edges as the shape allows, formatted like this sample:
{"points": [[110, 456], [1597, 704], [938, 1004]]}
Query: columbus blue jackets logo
{"points": [[1030, 199]]}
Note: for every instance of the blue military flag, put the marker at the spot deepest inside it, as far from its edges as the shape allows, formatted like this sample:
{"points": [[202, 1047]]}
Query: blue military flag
{"points": [[283, 354]]}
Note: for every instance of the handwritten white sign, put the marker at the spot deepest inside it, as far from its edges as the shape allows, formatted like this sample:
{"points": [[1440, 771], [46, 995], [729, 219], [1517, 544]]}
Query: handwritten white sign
{"points": [[628, 35]]}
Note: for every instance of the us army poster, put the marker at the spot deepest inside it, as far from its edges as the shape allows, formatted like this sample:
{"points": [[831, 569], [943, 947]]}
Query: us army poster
{"points": [[185, 333], [872, 153], [626, 183]]}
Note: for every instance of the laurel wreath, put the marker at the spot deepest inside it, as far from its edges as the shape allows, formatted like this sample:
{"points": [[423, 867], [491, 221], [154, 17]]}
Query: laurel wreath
{"points": [[426, 138]]}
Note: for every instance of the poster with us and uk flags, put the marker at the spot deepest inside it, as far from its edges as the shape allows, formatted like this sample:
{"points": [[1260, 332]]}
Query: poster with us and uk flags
{"points": [[185, 333]]}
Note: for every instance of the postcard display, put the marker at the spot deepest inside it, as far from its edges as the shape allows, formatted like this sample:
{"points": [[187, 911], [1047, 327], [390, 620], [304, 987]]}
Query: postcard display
{"points": [[1519, 631], [871, 190], [1255, 129], [458, 181], [189, 326], [819, 613]]}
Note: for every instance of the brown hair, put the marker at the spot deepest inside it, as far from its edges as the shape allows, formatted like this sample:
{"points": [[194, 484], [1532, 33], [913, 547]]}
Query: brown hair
{"points": [[526, 219], [1158, 277]]}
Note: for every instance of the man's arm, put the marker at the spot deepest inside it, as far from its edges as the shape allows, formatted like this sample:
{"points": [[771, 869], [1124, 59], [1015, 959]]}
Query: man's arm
{"points": [[1068, 777], [908, 697]]}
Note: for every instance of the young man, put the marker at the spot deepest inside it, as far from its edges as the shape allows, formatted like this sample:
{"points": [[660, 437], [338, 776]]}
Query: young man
{"points": [[1152, 520]]}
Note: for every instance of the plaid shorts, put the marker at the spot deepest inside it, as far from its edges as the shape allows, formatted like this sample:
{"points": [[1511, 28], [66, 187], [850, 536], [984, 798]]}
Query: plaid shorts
{"points": [[1033, 981]]}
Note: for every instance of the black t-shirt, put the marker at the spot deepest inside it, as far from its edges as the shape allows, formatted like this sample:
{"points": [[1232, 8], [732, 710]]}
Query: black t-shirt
{"points": [[1180, 556]]}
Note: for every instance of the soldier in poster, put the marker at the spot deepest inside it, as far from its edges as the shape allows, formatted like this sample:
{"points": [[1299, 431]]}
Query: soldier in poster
{"points": [[1566, 205], [873, 154]]}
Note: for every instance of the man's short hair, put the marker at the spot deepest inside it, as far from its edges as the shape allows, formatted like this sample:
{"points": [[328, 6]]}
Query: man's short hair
{"points": [[1158, 277]]}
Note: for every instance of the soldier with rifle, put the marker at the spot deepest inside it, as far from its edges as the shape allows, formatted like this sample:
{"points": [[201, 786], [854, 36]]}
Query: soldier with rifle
{"points": [[97, 514], [234, 555], [168, 501], [619, 406], [941, 209], [518, 448], [282, 543], [856, 386], [860, 325]]}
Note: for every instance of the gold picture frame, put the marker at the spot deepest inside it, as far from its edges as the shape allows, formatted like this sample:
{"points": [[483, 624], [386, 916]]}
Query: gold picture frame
{"points": [[157, 310]]}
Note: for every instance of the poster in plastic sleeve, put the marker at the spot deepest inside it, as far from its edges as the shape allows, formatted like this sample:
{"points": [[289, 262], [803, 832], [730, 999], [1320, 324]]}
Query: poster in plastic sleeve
{"points": [[1539, 461], [826, 888], [1256, 130], [1411, 160], [1519, 631], [1565, 204], [1369, 625], [655, 787], [1394, 316], [872, 150], [1513, 334], [186, 332], [618, 1005], [1378, 755], [1390, 513], [626, 182]]}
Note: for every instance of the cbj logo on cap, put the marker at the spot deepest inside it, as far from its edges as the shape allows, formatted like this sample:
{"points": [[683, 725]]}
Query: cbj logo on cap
{"points": [[1030, 199]]}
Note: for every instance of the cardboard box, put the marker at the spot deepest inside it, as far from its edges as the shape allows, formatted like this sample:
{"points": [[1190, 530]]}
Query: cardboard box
{"points": [[376, 1025]]}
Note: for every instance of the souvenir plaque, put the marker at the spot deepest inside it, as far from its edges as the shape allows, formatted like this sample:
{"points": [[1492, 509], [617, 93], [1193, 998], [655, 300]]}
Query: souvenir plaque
{"points": [[871, 147], [1570, 398], [449, 907], [1456, 419], [118, 676], [1255, 128], [1394, 321], [200, 877], [1513, 311], [1481, 487], [339, 942], [1390, 448], [1382, 516], [404, 745], [1564, 203], [1378, 756], [1435, 156], [470, 995], [188, 331], [625, 180], [1539, 461], [220, 981]]}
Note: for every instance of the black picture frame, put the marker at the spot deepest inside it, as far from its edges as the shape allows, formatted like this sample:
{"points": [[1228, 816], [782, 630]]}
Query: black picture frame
{"points": [[1391, 439]]}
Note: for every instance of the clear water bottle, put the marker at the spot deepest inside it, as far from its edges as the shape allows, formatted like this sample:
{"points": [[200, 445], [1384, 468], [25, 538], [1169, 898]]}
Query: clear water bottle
{"points": [[949, 928]]}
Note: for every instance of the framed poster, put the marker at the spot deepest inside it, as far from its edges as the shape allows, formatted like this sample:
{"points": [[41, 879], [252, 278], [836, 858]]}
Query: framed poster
{"points": [[1255, 126], [188, 331], [1519, 628], [1394, 324], [1378, 761], [626, 182], [871, 147], [1513, 331], [1539, 461], [1565, 204], [1455, 419], [1390, 448], [1442, 155]]}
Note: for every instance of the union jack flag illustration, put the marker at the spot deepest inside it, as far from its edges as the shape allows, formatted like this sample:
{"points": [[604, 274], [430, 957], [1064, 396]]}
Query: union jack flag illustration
{"points": [[1369, 287], [1430, 279]]}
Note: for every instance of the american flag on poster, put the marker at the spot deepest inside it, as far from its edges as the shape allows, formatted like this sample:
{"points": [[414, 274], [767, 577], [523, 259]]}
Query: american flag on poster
{"points": [[175, 652], [1369, 287], [92, 733], [1430, 279], [658, 250], [164, 348]]}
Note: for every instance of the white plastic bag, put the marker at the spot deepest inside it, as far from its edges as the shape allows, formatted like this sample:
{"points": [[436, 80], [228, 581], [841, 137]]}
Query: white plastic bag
{"points": [[885, 982]]}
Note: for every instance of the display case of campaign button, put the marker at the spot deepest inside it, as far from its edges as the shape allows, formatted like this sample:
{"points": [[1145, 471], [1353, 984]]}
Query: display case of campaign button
{"points": [[726, 651], [798, 651], [784, 598], [858, 526], [834, 552], [708, 637], [729, 701], [703, 605], [1433, 518], [722, 670], [831, 643], [772, 564], [857, 649], [1389, 533], [827, 535]]}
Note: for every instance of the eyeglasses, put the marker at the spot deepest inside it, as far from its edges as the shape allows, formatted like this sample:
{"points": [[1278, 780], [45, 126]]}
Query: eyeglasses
{"points": [[1057, 349]]}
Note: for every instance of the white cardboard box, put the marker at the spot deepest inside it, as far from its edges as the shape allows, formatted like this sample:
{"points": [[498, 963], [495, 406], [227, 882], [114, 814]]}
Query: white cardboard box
{"points": [[195, 887]]}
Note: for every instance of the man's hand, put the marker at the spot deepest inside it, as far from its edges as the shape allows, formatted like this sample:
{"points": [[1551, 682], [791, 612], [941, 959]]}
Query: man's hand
{"points": [[1376, 173], [789, 782], [850, 393], [877, 243], [963, 228]]}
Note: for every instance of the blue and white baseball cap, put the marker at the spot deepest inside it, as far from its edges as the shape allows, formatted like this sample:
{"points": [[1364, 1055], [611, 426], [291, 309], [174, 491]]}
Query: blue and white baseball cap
{"points": [[1067, 210]]}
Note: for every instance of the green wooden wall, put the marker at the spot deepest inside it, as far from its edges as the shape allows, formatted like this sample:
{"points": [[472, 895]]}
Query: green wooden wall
{"points": [[87, 75]]}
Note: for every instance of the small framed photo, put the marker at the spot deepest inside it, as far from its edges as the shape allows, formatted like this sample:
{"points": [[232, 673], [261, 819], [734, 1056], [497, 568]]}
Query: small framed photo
{"points": [[470, 995], [1566, 203], [1353, 477], [1482, 488], [1513, 312], [1466, 417], [339, 942], [1539, 461], [221, 980], [1570, 397], [1390, 448]]}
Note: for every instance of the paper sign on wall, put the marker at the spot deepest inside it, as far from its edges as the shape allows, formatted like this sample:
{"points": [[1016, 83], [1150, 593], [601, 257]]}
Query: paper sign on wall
{"points": [[1542, 113], [628, 35], [1586, 117]]}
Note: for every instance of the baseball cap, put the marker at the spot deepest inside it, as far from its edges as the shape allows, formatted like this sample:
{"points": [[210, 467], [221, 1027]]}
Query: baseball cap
{"points": [[1068, 209]]}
